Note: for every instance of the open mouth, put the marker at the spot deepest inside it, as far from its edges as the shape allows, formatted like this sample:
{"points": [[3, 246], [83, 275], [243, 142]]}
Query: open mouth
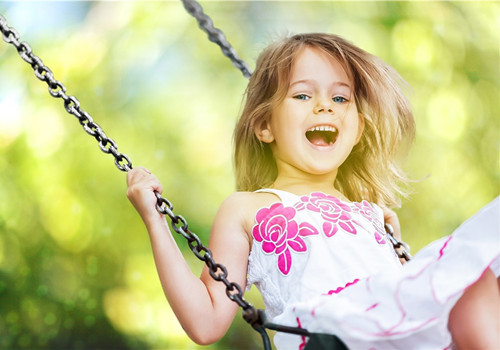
{"points": [[322, 135]]}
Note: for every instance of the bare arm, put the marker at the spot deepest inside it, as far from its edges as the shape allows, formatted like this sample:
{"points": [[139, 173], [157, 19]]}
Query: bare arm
{"points": [[200, 304]]}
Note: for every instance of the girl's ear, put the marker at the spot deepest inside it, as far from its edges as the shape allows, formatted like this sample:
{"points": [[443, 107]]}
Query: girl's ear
{"points": [[263, 132], [361, 126]]}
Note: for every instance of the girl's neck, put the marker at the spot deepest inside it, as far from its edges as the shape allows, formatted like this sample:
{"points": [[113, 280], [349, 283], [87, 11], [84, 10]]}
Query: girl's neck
{"points": [[300, 186]]}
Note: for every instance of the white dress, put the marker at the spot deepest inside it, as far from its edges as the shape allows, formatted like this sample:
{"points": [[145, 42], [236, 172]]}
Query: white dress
{"points": [[325, 265]]}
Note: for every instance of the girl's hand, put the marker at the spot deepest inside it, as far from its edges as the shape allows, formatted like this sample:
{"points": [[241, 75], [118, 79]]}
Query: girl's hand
{"points": [[141, 187], [391, 218]]}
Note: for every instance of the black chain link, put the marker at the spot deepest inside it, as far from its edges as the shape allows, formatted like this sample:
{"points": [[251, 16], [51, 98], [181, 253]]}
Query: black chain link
{"points": [[215, 35], [217, 271], [179, 224], [58, 90], [401, 248], [123, 163]]}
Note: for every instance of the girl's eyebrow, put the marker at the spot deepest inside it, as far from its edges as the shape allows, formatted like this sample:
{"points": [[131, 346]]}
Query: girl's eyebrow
{"points": [[310, 82]]}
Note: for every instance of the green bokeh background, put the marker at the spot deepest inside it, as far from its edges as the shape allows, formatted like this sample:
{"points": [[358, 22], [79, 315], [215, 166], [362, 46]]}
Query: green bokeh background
{"points": [[76, 269]]}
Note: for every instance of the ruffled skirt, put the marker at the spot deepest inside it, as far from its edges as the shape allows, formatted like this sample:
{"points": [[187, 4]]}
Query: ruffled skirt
{"points": [[407, 309]]}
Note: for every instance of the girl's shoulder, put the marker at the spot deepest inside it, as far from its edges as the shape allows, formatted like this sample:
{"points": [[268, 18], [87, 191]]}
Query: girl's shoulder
{"points": [[251, 202], [243, 206], [252, 198]]}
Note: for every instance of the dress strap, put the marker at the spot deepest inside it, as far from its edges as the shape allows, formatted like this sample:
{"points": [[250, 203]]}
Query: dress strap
{"points": [[283, 195]]}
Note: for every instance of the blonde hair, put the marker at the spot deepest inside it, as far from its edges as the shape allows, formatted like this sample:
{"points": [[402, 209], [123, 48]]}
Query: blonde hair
{"points": [[371, 171]]}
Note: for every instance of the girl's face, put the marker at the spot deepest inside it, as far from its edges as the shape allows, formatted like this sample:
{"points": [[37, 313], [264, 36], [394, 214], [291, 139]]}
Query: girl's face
{"points": [[315, 127]]}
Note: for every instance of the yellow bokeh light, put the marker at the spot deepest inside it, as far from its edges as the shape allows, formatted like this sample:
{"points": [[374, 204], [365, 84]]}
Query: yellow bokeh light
{"points": [[11, 118], [129, 311], [87, 49], [62, 215], [141, 308], [135, 312], [446, 115], [44, 131], [413, 43], [140, 274], [455, 168]]}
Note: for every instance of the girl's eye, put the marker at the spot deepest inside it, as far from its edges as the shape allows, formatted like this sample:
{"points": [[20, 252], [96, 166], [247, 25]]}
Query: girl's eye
{"points": [[301, 97], [339, 99]]}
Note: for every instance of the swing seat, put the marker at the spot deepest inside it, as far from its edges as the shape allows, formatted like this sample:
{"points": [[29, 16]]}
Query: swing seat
{"points": [[317, 341], [321, 341]]}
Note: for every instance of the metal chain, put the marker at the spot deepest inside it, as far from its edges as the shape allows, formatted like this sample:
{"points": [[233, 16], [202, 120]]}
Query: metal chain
{"points": [[123, 163], [217, 271], [401, 248], [215, 35], [58, 90]]}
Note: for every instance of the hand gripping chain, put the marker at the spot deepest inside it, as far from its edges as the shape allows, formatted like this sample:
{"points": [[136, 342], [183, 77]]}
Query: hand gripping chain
{"points": [[256, 318], [122, 162]]}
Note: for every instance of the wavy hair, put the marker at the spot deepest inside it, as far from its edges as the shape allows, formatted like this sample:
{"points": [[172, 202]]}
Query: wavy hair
{"points": [[371, 171]]}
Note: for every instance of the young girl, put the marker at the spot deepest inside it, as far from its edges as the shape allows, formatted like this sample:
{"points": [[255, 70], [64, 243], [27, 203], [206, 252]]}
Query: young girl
{"points": [[315, 159]]}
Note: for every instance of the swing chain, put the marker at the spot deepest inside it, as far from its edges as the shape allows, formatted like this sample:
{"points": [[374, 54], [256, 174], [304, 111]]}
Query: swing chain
{"points": [[123, 163], [217, 271], [58, 90], [215, 35], [256, 318], [403, 253]]}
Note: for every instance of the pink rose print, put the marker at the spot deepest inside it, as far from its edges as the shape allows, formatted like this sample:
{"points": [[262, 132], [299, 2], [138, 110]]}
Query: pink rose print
{"points": [[280, 234], [379, 238], [335, 212], [366, 209]]}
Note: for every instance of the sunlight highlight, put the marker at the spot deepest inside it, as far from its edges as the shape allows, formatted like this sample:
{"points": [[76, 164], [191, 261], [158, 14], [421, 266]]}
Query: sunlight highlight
{"points": [[446, 115], [413, 43], [129, 311], [141, 308], [134, 312], [44, 131], [62, 216], [11, 118]]}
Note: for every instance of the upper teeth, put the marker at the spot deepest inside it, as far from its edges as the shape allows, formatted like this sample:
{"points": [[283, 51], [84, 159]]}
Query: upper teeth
{"points": [[323, 128]]}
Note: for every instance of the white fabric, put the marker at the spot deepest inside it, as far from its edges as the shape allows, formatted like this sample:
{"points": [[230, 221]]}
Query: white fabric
{"points": [[325, 265]]}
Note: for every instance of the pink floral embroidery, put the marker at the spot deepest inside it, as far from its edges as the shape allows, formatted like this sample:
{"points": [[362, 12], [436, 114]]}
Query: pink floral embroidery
{"points": [[335, 212], [280, 234], [379, 238], [366, 210]]}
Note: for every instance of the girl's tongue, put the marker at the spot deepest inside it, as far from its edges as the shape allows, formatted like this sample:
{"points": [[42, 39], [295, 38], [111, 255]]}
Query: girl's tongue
{"points": [[321, 138]]}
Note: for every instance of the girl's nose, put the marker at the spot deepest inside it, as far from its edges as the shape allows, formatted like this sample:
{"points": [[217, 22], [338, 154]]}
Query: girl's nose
{"points": [[322, 108]]}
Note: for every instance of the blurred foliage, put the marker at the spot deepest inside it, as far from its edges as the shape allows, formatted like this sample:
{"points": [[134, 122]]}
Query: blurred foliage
{"points": [[76, 269]]}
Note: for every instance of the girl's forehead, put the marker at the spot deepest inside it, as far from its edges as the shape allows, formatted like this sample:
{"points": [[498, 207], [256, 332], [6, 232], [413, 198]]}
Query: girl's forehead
{"points": [[317, 63]]}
